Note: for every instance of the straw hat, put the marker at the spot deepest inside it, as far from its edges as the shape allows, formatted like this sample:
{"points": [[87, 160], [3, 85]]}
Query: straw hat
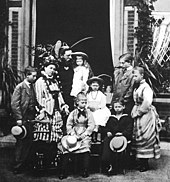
{"points": [[84, 55], [95, 78], [118, 144], [19, 131], [70, 143]]}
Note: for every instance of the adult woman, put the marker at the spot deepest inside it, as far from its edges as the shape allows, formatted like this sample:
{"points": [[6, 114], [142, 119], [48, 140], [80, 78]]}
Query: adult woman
{"points": [[50, 103], [145, 133]]}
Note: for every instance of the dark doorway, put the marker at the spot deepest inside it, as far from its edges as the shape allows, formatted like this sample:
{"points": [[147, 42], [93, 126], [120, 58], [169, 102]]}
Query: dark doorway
{"points": [[72, 20]]}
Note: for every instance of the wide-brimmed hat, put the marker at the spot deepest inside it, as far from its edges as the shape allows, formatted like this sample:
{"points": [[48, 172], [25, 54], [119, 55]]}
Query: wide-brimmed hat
{"points": [[95, 78], [84, 55], [19, 131], [118, 143], [70, 143]]}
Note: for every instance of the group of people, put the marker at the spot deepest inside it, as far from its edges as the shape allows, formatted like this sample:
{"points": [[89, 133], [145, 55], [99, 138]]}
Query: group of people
{"points": [[61, 107]]}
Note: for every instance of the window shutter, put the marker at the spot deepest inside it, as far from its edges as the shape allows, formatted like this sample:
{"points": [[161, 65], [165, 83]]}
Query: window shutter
{"points": [[130, 22], [14, 37]]}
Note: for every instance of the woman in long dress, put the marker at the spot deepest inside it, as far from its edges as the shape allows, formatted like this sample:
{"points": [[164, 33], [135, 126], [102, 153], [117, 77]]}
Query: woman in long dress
{"points": [[145, 141], [48, 131]]}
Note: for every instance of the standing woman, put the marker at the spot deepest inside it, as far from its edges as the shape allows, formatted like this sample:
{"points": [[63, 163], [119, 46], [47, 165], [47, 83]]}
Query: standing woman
{"points": [[50, 104], [145, 141]]}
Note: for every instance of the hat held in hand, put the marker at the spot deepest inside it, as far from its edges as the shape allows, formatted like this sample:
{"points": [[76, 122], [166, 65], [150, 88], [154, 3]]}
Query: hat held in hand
{"points": [[19, 131], [118, 144], [70, 143]]}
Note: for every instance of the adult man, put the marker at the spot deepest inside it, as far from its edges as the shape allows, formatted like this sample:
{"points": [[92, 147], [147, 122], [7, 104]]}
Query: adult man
{"points": [[123, 86], [23, 106], [66, 72]]}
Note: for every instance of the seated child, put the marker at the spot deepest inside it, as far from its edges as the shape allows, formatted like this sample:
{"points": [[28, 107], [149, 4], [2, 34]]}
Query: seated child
{"points": [[96, 102], [118, 125], [80, 124]]}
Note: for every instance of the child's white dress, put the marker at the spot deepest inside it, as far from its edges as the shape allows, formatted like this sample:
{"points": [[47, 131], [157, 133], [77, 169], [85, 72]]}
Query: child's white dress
{"points": [[96, 102], [80, 78]]}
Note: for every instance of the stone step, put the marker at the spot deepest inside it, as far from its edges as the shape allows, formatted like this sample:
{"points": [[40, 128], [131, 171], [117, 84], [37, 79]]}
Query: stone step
{"points": [[7, 141]]}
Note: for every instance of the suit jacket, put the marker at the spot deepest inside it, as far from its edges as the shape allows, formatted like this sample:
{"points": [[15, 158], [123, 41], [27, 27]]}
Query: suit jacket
{"points": [[124, 87], [20, 101]]}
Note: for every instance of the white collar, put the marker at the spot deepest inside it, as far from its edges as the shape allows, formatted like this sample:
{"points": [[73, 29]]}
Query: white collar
{"points": [[129, 68], [27, 83]]}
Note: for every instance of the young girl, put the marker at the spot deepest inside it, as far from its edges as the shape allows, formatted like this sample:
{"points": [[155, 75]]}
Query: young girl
{"points": [[145, 141], [81, 73], [80, 124], [96, 102]]}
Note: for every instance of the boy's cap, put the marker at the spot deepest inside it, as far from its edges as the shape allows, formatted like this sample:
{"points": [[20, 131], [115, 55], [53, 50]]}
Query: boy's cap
{"points": [[118, 143], [19, 131], [70, 143]]}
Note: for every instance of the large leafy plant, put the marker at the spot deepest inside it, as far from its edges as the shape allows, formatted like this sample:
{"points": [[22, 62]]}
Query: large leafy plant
{"points": [[8, 77], [144, 35]]}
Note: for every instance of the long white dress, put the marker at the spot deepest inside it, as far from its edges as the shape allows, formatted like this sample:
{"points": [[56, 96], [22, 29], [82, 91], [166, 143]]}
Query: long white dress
{"points": [[81, 74], [96, 102]]}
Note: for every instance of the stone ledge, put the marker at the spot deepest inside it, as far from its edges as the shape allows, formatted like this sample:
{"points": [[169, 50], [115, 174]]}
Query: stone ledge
{"points": [[7, 141]]}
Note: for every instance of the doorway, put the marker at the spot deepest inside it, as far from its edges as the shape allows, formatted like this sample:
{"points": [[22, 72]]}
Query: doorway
{"points": [[72, 20]]}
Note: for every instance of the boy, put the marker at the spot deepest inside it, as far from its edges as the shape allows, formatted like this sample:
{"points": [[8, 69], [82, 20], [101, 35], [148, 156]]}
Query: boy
{"points": [[23, 106], [118, 125], [80, 124]]}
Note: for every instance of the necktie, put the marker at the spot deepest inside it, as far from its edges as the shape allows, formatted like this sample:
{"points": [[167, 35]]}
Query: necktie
{"points": [[83, 113], [32, 91]]}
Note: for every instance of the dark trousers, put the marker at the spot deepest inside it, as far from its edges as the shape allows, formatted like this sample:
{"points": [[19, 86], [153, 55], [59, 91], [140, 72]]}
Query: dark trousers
{"points": [[117, 160], [80, 160], [49, 151], [23, 148]]}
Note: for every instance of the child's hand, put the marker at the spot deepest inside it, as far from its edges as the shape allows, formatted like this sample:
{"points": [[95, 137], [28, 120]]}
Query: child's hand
{"points": [[82, 136], [109, 134]]}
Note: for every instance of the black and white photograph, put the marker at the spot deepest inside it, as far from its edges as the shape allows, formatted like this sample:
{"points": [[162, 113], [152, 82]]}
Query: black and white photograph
{"points": [[84, 90]]}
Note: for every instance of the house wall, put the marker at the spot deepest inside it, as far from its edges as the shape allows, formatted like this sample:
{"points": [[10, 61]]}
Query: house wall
{"points": [[162, 5]]}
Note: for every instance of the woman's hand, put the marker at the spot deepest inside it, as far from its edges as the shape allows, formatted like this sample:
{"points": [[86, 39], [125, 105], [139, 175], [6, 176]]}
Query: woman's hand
{"points": [[40, 116], [65, 109]]}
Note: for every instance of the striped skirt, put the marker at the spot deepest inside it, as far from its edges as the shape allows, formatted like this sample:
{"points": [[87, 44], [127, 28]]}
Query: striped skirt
{"points": [[145, 142], [50, 131]]}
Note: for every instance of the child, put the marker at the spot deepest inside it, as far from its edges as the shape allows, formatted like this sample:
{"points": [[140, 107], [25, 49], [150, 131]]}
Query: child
{"points": [[23, 104], [96, 102], [118, 125], [109, 95], [81, 73], [80, 124]]}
